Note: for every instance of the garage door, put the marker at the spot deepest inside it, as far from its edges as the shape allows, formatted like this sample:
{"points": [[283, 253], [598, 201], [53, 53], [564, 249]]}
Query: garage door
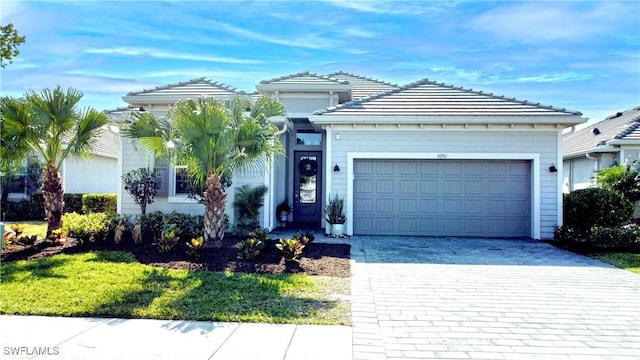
{"points": [[487, 198]]}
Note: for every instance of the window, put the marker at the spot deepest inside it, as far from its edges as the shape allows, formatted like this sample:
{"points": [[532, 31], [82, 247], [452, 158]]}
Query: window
{"points": [[181, 181], [308, 137]]}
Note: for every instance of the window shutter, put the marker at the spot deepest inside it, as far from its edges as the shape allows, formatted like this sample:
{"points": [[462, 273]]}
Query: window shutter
{"points": [[162, 175]]}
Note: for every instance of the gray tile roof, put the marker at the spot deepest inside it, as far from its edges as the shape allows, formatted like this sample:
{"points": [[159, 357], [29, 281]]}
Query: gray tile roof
{"points": [[186, 89], [362, 86], [429, 98], [304, 78], [622, 126], [106, 143]]}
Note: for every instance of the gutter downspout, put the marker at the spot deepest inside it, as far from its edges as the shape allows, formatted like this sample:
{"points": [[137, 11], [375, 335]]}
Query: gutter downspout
{"points": [[596, 159]]}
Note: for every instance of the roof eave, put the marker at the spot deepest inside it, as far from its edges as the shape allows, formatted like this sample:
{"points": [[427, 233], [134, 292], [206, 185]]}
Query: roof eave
{"points": [[304, 87], [624, 142], [168, 99], [328, 118], [584, 152]]}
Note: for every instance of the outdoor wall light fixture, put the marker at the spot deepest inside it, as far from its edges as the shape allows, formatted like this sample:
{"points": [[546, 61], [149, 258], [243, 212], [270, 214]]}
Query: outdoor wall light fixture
{"points": [[553, 168], [337, 136], [336, 168]]}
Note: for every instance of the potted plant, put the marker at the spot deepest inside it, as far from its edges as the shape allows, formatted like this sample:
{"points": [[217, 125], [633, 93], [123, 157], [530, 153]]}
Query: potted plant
{"points": [[334, 214], [282, 211]]}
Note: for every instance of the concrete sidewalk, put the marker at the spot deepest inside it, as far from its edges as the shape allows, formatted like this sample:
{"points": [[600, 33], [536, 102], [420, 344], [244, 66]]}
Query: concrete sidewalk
{"points": [[23, 337]]}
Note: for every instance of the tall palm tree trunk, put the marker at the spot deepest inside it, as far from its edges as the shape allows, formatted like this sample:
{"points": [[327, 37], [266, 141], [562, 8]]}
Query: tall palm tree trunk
{"points": [[53, 193], [214, 199]]}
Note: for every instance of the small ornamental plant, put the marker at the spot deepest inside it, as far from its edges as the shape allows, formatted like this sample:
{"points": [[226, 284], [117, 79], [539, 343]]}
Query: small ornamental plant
{"points": [[168, 238], [305, 238], [195, 247], [27, 240], [18, 229], [334, 210], [56, 236], [249, 249], [260, 234], [291, 249]]}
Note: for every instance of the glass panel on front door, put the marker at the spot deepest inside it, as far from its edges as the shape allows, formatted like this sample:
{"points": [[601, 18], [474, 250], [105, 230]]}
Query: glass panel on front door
{"points": [[308, 170]]}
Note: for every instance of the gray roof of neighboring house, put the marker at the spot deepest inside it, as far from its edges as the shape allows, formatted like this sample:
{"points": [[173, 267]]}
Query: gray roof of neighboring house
{"points": [[106, 143], [620, 127], [195, 87], [362, 86], [429, 98]]}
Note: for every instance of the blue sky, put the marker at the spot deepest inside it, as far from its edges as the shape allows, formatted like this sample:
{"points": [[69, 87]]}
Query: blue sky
{"points": [[581, 55]]}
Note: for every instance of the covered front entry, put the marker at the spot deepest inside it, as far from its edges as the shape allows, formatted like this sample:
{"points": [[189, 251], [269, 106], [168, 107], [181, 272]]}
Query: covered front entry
{"points": [[486, 198], [307, 196]]}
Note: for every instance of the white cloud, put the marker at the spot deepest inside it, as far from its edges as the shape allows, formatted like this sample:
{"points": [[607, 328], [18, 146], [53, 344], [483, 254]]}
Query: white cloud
{"points": [[133, 51], [9, 9], [361, 33], [546, 21], [388, 7], [309, 41]]}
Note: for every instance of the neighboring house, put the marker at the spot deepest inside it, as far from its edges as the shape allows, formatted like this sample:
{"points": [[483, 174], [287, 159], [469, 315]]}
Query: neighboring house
{"points": [[421, 159], [612, 141], [95, 174]]}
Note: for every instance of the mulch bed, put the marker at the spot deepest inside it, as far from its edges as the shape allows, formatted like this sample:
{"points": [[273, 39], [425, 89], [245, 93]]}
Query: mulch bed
{"points": [[317, 258]]}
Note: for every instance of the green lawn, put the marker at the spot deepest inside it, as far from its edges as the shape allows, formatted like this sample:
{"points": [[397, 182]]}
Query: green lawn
{"points": [[31, 227], [627, 261], [113, 284]]}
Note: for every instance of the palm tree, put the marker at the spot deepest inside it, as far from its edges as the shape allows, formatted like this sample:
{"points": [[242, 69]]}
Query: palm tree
{"points": [[48, 127], [212, 141]]}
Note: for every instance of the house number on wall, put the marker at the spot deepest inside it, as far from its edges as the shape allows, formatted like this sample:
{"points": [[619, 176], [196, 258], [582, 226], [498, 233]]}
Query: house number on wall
{"points": [[441, 156]]}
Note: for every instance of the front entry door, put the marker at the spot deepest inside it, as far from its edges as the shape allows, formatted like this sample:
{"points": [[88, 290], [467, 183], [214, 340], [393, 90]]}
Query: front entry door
{"points": [[307, 196]]}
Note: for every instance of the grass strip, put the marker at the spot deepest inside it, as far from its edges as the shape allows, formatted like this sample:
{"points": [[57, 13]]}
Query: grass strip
{"points": [[624, 260], [113, 284]]}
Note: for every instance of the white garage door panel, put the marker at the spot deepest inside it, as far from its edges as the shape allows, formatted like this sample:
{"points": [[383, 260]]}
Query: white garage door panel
{"points": [[442, 197]]}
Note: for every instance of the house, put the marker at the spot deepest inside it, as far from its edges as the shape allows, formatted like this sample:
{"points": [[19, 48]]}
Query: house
{"points": [[95, 174], [612, 141], [420, 159]]}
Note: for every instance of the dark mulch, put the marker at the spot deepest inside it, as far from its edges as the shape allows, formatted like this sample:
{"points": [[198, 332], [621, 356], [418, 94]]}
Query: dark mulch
{"points": [[317, 258]]}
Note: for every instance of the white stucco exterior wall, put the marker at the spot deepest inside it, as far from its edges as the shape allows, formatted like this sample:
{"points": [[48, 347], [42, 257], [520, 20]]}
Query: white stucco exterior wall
{"points": [[97, 174]]}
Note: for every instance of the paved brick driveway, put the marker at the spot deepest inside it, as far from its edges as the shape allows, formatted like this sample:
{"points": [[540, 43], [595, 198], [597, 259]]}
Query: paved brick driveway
{"points": [[448, 298]]}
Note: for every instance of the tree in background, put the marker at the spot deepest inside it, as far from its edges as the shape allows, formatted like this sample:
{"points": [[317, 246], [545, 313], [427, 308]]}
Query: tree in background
{"points": [[48, 127], [212, 141], [9, 41], [142, 184], [623, 179]]}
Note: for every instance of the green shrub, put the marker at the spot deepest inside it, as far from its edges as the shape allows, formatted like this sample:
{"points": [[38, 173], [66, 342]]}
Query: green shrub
{"points": [[291, 249], [36, 211], [248, 202], [87, 227], [17, 210], [586, 208], [191, 226], [99, 203], [250, 248], [615, 239], [72, 203], [151, 224]]}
